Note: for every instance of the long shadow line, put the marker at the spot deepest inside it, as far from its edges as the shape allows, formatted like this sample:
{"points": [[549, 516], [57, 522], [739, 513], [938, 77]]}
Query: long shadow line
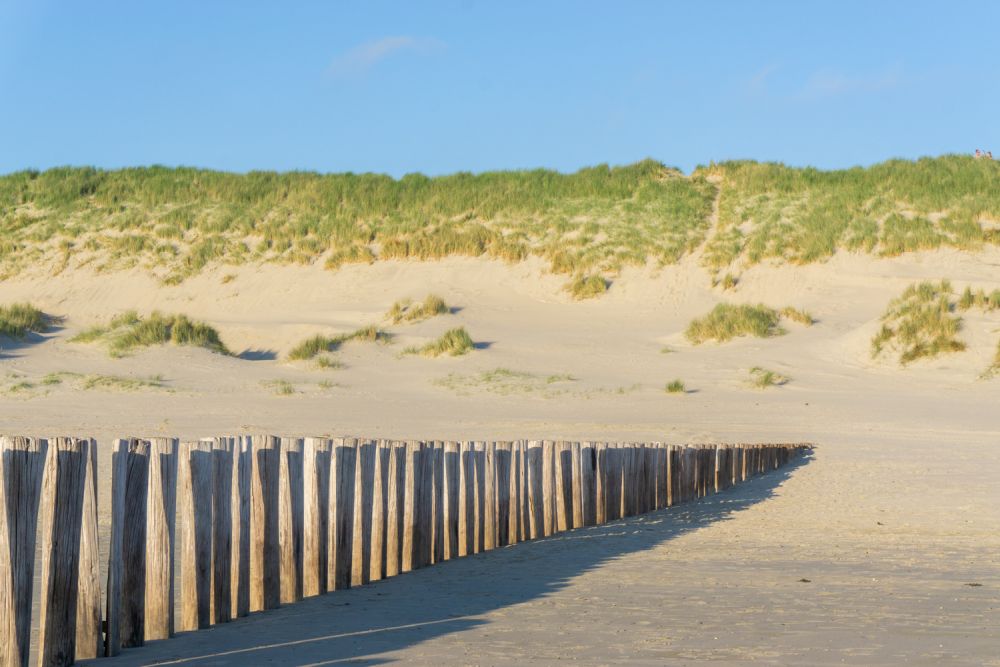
{"points": [[362, 624]]}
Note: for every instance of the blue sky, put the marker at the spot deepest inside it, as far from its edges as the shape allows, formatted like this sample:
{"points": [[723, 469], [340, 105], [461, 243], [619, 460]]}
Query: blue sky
{"points": [[439, 87]]}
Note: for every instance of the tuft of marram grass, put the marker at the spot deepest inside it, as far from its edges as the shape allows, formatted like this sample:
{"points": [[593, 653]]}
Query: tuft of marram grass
{"points": [[920, 323], [587, 287], [454, 342], [727, 321], [763, 378], [796, 315], [979, 300], [675, 387], [407, 311], [310, 347], [19, 319], [129, 331]]}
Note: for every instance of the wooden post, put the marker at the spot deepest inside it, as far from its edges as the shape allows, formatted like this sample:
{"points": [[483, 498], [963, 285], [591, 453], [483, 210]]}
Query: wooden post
{"points": [[194, 504], [63, 486], [242, 470], [376, 569], [515, 511], [265, 510], [424, 538], [364, 480], [315, 515], [133, 494], [410, 509], [601, 483], [536, 489], [489, 456], [394, 508], [451, 508], [437, 554], [222, 529], [113, 613], [613, 496], [22, 468], [576, 481], [563, 471], [588, 484], [548, 487], [466, 500], [343, 461], [161, 514], [503, 458], [290, 519], [89, 636]]}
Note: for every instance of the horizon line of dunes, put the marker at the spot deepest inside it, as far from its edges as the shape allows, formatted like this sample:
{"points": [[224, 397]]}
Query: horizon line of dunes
{"points": [[266, 521], [589, 224]]}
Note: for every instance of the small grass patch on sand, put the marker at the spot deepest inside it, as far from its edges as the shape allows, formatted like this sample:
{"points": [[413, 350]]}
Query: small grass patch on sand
{"points": [[120, 383], [19, 319], [311, 347], [920, 323], [675, 387], [279, 387], [454, 342], [408, 311], [762, 378], [128, 331], [327, 362], [587, 286], [797, 315], [727, 321], [506, 382], [979, 300]]}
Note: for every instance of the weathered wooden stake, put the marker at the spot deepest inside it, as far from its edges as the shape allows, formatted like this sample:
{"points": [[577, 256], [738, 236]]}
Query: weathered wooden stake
{"points": [[265, 512], [194, 505], [161, 515], [290, 519]]}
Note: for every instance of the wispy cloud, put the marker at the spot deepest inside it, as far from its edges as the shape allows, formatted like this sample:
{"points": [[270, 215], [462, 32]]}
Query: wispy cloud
{"points": [[362, 58], [828, 83], [757, 84]]}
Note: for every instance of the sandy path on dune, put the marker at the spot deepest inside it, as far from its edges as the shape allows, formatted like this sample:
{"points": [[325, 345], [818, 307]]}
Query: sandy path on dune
{"points": [[897, 512]]}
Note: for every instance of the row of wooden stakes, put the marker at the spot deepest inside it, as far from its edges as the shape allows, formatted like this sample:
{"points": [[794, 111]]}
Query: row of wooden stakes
{"points": [[264, 521]]}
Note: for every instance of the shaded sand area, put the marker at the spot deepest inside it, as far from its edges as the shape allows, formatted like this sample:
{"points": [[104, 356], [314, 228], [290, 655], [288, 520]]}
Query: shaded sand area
{"points": [[883, 549]]}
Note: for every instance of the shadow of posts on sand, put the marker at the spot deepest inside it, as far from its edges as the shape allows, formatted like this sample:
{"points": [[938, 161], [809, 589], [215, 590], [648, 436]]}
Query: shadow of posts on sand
{"points": [[362, 624]]}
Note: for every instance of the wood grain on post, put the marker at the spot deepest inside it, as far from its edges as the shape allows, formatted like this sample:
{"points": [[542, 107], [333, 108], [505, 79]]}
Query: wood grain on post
{"points": [[134, 523], [22, 471], [63, 486], [548, 488], [536, 490], [451, 463], [265, 508], [588, 484], [466, 498], [290, 519], [515, 511], [194, 507], [242, 469], [161, 515], [113, 592], [364, 480], [489, 496], [315, 515], [342, 472], [576, 481], [410, 500], [380, 485], [424, 536], [89, 636], [395, 505], [222, 529], [600, 483], [503, 493], [478, 454], [437, 513], [564, 486]]}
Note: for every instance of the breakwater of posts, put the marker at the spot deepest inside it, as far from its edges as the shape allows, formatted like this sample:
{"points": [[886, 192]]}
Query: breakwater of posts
{"points": [[254, 522]]}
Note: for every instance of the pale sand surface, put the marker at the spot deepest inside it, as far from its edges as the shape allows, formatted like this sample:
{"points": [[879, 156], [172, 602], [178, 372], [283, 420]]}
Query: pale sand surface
{"points": [[896, 513]]}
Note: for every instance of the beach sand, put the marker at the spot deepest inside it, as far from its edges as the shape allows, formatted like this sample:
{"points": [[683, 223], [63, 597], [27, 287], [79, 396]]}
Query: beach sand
{"points": [[882, 549]]}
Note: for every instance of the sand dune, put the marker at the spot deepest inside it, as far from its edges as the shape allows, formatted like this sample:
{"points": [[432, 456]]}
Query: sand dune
{"points": [[896, 514]]}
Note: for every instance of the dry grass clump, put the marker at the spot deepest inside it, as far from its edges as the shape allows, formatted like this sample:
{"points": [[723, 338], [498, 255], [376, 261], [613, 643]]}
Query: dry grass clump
{"points": [[675, 387], [587, 287], [120, 383], [310, 347], [454, 342], [727, 321], [763, 378], [920, 323], [19, 319], [979, 300], [407, 311], [279, 387], [129, 330], [797, 315]]}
